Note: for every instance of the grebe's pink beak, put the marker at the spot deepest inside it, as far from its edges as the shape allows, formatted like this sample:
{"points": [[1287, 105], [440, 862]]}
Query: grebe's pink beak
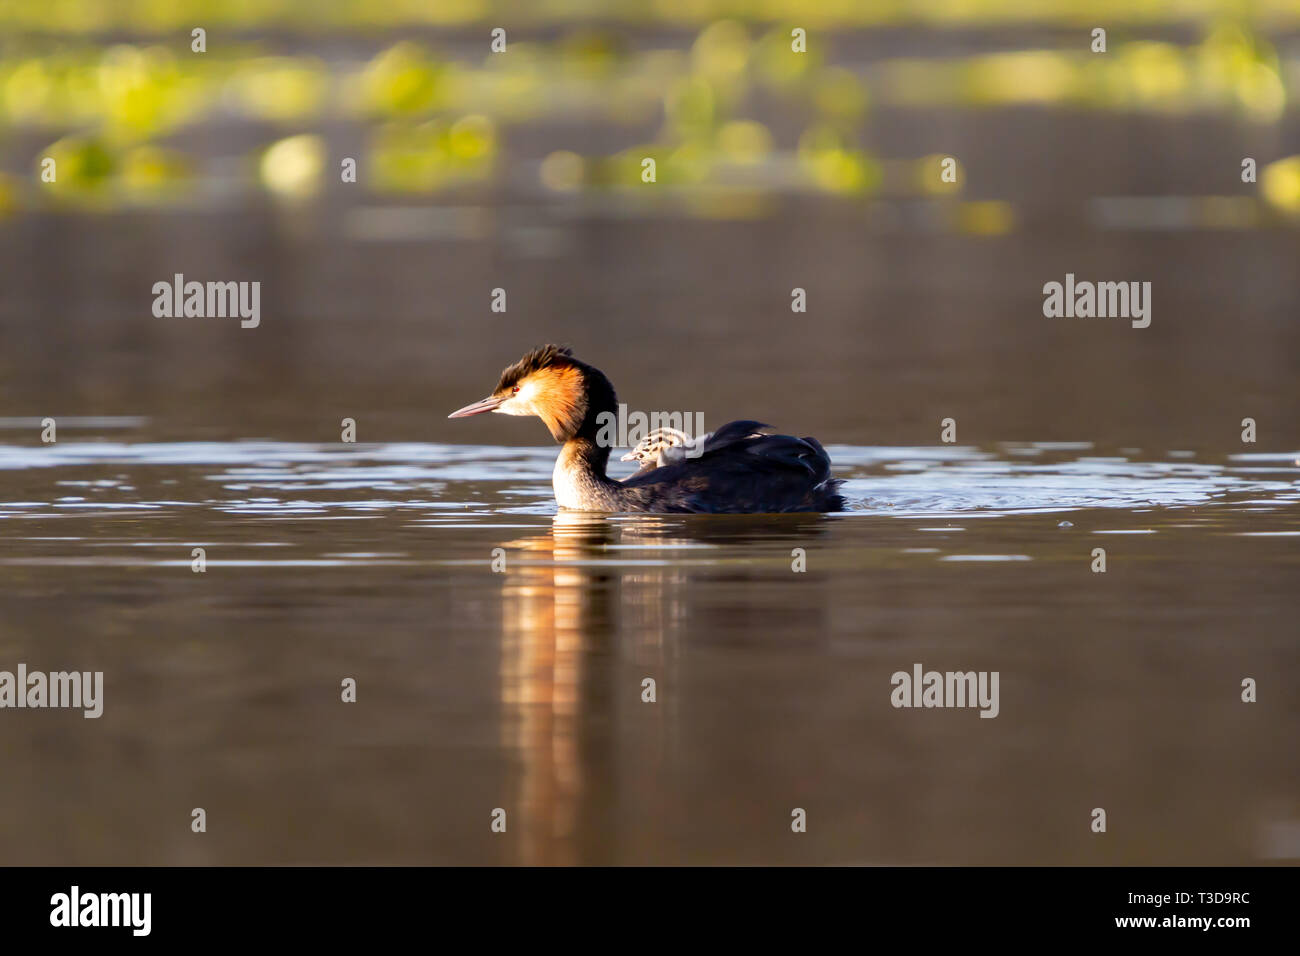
{"points": [[477, 408]]}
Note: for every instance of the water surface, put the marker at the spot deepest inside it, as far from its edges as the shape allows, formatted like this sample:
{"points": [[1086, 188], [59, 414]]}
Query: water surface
{"points": [[522, 688]]}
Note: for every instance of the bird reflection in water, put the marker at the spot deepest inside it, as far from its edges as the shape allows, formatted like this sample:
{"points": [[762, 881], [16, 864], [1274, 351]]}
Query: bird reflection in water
{"points": [[590, 609], [552, 606]]}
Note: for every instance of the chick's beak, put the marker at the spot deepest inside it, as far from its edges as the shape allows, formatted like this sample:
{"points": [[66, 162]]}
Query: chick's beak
{"points": [[477, 408], [629, 456]]}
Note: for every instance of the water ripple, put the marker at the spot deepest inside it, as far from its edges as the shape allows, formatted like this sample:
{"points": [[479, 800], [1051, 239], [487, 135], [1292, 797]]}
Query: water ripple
{"points": [[339, 480]]}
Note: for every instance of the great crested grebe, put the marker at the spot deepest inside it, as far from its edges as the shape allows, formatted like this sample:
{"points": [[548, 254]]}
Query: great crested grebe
{"points": [[737, 471]]}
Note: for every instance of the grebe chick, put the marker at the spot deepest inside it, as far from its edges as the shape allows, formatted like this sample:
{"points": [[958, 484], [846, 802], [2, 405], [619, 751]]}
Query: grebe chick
{"points": [[660, 447], [665, 446], [737, 470]]}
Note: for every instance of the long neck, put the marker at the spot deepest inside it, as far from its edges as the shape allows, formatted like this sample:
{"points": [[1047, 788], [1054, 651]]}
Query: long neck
{"points": [[579, 479], [583, 454]]}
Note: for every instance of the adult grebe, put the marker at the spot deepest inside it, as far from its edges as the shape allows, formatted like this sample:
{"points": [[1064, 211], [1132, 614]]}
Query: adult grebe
{"points": [[736, 472]]}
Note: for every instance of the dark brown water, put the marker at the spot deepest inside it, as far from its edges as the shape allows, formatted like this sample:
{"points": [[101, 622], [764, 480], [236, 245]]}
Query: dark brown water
{"points": [[521, 689]]}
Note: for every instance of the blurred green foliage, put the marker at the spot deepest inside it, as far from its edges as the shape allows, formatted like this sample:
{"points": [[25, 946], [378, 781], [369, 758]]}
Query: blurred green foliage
{"points": [[432, 122], [66, 16]]}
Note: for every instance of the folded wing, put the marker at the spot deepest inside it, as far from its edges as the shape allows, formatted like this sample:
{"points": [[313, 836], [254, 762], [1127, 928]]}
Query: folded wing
{"points": [[742, 470]]}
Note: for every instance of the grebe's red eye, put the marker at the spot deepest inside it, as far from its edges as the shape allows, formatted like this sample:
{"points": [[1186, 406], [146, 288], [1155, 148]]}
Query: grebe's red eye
{"points": [[515, 390]]}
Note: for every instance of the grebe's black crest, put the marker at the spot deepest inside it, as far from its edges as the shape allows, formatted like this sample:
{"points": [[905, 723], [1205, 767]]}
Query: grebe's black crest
{"points": [[734, 470], [545, 356]]}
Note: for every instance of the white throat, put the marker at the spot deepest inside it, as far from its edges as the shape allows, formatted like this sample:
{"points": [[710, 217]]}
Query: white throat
{"points": [[565, 482]]}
